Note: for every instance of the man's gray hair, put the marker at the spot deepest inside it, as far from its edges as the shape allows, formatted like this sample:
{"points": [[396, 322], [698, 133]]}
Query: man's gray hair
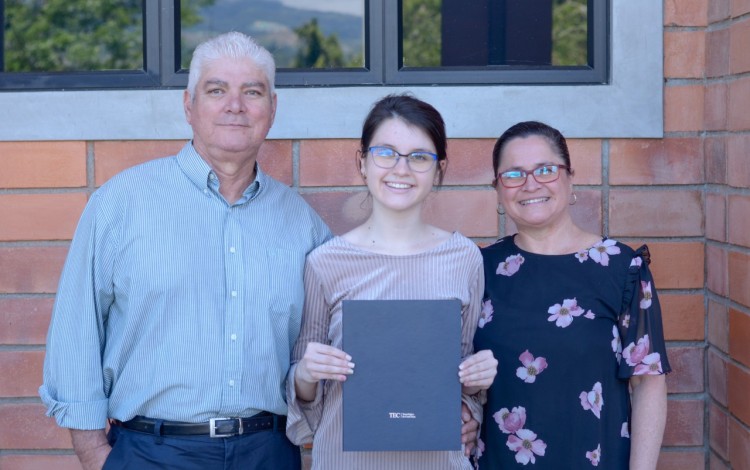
{"points": [[233, 45]]}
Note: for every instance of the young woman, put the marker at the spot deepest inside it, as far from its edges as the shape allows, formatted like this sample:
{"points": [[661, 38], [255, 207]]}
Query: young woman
{"points": [[393, 255]]}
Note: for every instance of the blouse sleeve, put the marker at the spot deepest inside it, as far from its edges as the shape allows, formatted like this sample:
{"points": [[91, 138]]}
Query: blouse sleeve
{"points": [[469, 326], [644, 351], [303, 416]]}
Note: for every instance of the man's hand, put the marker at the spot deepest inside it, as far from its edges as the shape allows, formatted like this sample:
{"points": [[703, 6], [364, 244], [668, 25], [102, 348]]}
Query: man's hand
{"points": [[91, 448]]}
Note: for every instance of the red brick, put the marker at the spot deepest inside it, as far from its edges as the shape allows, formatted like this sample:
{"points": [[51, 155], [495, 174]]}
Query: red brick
{"points": [[586, 213], [717, 59], [24, 320], [40, 216], [681, 460], [684, 53], [739, 38], [718, 326], [716, 106], [111, 157], [342, 211], [686, 12], [737, 161], [651, 161], [715, 151], [738, 215], [739, 445], [683, 316], [24, 426], [717, 377], [687, 370], [471, 212], [684, 423], [36, 462], [677, 265], [717, 430], [739, 278], [275, 158], [329, 162], [655, 213], [716, 269], [683, 108], [716, 217], [738, 385], [469, 161], [716, 463], [586, 159], [31, 270], [718, 10], [42, 164], [739, 338], [26, 369], [738, 119], [740, 7]]}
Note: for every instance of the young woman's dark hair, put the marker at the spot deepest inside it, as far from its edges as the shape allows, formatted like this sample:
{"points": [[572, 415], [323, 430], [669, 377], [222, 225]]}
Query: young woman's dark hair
{"points": [[528, 129], [414, 112]]}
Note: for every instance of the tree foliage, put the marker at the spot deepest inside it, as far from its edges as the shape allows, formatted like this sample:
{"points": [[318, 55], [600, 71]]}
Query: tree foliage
{"points": [[78, 35], [569, 32], [317, 50], [422, 37]]}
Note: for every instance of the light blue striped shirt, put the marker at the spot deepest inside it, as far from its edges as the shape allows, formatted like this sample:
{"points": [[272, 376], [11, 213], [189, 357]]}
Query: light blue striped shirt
{"points": [[174, 304]]}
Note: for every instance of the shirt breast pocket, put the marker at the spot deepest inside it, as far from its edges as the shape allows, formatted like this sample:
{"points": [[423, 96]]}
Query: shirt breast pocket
{"points": [[285, 288]]}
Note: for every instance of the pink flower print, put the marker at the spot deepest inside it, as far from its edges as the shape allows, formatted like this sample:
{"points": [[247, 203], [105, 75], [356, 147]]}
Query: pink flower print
{"points": [[510, 421], [486, 315], [647, 294], [616, 343], [624, 430], [480, 447], [601, 251], [510, 266], [531, 367], [582, 256], [637, 261], [593, 400], [595, 455], [590, 315], [634, 354], [525, 444], [563, 314], [626, 320], [650, 365]]}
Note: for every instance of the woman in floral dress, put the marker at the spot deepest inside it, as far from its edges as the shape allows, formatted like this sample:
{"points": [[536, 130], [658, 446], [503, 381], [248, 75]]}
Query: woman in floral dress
{"points": [[573, 319]]}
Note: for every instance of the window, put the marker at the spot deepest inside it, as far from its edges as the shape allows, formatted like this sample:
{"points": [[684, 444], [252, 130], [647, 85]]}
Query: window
{"points": [[63, 44]]}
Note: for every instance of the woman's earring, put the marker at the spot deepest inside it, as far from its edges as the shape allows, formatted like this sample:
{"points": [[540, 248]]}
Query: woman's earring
{"points": [[500, 209], [575, 199]]}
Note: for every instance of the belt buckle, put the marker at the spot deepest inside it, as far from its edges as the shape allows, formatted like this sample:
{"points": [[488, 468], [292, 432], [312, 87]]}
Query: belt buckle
{"points": [[212, 427]]}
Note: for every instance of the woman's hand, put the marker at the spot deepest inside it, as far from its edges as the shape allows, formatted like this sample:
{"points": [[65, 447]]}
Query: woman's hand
{"points": [[469, 430], [320, 362], [477, 372]]}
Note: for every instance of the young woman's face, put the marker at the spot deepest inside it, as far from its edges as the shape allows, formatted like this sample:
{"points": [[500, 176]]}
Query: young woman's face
{"points": [[399, 188], [534, 204]]}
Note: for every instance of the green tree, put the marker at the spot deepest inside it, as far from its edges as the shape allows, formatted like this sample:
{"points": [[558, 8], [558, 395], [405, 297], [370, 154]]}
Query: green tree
{"points": [[422, 37], [317, 50], [569, 32], [83, 35]]}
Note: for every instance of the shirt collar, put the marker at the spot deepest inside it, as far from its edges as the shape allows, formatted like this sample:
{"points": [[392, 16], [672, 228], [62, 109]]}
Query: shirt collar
{"points": [[200, 173]]}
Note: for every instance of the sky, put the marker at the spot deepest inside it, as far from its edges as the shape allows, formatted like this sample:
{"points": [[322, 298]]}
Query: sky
{"points": [[351, 7]]}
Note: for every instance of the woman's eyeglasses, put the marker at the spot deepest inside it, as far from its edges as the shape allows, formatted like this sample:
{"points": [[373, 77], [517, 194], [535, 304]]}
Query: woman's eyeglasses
{"points": [[542, 174], [386, 157]]}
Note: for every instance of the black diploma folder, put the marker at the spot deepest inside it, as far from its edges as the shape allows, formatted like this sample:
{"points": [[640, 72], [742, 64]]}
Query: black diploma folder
{"points": [[404, 394]]}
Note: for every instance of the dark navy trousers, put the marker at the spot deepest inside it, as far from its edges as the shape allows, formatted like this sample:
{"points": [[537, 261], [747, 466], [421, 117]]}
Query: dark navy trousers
{"points": [[262, 450]]}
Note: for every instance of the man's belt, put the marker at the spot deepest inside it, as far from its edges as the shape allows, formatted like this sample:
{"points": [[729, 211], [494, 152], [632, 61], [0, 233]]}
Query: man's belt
{"points": [[216, 427]]}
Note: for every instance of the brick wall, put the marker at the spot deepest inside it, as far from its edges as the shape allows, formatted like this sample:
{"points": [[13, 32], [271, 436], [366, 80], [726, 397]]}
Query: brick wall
{"points": [[686, 195]]}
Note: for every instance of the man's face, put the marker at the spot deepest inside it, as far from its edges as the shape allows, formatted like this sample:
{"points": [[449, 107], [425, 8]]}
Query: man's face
{"points": [[232, 110]]}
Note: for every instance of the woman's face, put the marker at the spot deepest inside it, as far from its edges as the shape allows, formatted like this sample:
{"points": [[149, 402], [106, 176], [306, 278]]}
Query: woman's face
{"points": [[534, 205], [399, 188]]}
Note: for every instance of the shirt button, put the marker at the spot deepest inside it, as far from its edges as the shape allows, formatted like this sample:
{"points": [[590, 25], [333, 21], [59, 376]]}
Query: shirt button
{"points": [[231, 383], [234, 293], [232, 249], [234, 337]]}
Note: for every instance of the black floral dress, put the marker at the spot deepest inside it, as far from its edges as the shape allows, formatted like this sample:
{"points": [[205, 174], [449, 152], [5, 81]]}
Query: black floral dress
{"points": [[568, 332]]}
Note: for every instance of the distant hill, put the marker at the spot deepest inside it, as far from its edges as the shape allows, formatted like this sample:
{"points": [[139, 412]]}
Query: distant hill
{"points": [[272, 25]]}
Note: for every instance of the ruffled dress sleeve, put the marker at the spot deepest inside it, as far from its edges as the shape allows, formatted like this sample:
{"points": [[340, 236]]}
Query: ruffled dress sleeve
{"points": [[644, 351]]}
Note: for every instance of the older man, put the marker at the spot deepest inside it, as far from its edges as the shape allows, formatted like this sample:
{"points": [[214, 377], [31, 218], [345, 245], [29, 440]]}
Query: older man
{"points": [[182, 292]]}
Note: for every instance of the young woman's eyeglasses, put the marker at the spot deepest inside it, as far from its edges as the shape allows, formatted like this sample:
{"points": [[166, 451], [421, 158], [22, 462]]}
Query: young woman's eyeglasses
{"points": [[542, 174], [386, 157]]}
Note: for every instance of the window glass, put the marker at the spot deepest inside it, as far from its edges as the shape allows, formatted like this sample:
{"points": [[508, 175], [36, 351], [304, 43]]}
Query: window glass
{"points": [[71, 35], [480, 33], [299, 33]]}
